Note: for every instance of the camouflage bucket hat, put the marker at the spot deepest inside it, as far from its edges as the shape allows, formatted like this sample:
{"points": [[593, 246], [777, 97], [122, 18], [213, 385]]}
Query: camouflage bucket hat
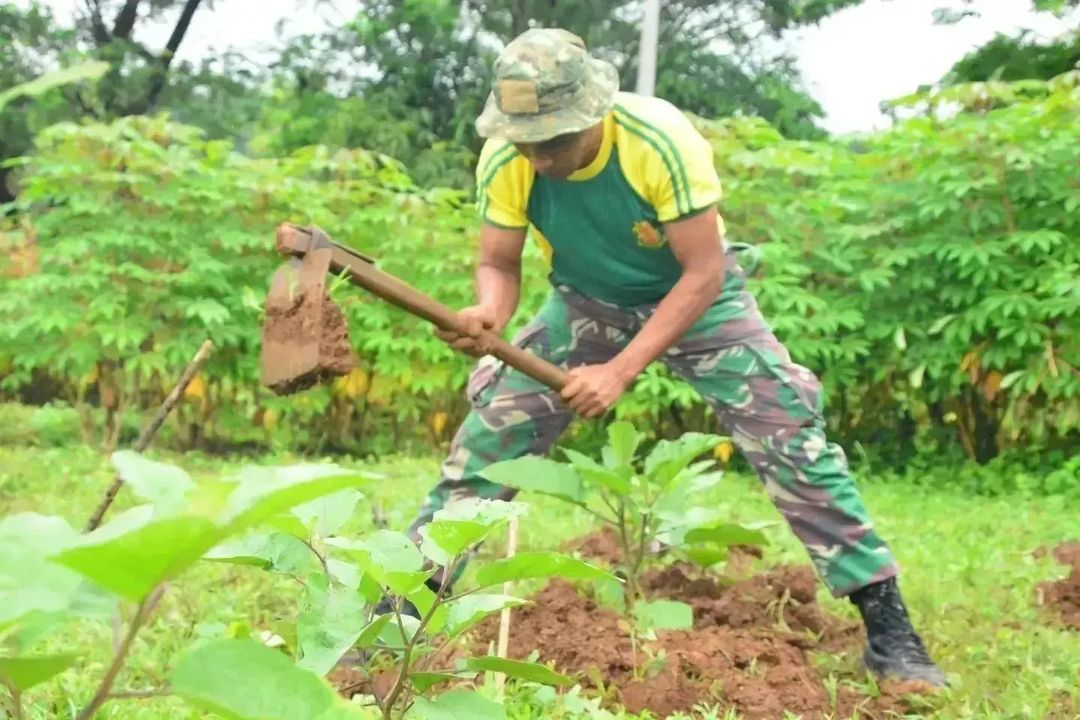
{"points": [[546, 84]]}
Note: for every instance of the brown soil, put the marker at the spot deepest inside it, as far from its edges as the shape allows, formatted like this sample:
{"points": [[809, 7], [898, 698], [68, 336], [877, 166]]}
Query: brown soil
{"points": [[291, 329], [749, 648], [1062, 597]]}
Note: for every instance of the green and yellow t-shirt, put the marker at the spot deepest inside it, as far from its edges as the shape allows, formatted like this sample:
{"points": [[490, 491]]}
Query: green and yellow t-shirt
{"points": [[602, 228]]}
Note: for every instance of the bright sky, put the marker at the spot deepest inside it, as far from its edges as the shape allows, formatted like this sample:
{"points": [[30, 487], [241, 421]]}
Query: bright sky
{"points": [[856, 58]]}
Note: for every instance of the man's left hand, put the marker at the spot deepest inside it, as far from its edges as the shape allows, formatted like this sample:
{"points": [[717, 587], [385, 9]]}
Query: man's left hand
{"points": [[592, 389]]}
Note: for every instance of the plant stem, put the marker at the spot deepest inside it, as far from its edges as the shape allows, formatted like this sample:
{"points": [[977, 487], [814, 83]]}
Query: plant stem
{"points": [[406, 657], [322, 560], [628, 558], [146, 607]]}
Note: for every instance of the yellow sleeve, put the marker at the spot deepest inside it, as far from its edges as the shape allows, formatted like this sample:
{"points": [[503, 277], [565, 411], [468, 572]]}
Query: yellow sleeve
{"points": [[673, 163], [501, 188]]}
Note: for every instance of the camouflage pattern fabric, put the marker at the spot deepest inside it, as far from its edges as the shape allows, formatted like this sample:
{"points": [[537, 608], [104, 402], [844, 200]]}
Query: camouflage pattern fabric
{"points": [[769, 405], [546, 84]]}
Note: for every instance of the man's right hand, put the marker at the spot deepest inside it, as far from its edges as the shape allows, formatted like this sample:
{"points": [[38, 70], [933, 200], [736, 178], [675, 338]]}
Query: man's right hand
{"points": [[474, 320]]}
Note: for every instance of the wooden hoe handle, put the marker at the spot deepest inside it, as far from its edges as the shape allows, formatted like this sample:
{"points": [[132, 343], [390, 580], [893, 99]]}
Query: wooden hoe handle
{"points": [[360, 270]]}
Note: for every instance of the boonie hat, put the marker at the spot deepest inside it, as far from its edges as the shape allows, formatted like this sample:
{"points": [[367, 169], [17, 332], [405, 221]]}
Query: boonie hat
{"points": [[546, 84]]}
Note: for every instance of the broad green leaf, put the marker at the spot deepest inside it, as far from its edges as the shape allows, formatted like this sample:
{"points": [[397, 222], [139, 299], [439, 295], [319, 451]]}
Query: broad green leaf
{"points": [[664, 615], [464, 524], [89, 70], [676, 498], [23, 673], [387, 550], [729, 534], [243, 680], [533, 672], [326, 515], [456, 705], [623, 441], [675, 525], [482, 511], [423, 598], [705, 555], [471, 609], [134, 553], [275, 552], [372, 630], [529, 565], [390, 635], [424, 681], [165, 486], [390, 558], [264, 492], [290, 525], [617, 480], [30, 584], [346, 574], [329, 626], [133, 563], [669, 457], [537, 474]]}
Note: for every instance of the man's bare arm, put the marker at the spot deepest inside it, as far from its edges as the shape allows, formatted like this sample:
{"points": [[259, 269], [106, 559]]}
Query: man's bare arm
{"points": [[698, 247], [498, 288], [498, 271]]}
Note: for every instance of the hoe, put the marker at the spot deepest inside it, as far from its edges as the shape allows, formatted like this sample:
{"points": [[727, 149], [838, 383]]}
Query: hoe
{"points": [[305, 338]]}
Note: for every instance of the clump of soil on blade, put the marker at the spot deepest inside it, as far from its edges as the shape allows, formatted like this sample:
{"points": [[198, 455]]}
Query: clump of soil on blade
{"points": [[749, 649], [1062, 597], [291, 328]]}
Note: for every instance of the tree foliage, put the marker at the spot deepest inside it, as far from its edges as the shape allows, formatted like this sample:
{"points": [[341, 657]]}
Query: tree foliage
{"points": [[927, 273]]}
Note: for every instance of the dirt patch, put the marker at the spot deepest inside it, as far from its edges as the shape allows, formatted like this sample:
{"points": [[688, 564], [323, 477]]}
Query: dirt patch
{"points": [[1062, 597], [291, 333], [749, 649]]}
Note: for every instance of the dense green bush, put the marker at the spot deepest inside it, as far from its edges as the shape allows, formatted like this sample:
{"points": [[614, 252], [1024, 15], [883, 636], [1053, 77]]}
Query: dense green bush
{"points": [[928, 273]]}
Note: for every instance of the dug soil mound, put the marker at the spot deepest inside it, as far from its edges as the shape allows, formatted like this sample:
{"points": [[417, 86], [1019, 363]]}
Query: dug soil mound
{"points": [[1062, 597], [749, 649]]}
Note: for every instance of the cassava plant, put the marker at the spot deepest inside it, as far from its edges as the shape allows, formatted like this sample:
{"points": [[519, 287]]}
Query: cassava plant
{"points": [[646, 499]]}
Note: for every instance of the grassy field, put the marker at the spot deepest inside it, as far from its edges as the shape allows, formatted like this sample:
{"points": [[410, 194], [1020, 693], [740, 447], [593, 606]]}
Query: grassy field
{"points": [[968, 574]]}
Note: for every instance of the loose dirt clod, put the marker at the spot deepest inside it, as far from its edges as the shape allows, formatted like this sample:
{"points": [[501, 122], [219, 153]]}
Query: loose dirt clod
{"points": [[292, 332], [748, 649], [1062, 597]]}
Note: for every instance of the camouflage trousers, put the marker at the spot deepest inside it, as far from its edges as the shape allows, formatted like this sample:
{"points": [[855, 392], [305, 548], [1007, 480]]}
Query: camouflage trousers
{"points": [[770, 407]]}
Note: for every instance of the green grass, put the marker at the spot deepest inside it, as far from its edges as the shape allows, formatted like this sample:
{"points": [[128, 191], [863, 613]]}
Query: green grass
{"points": [[968, 576]]}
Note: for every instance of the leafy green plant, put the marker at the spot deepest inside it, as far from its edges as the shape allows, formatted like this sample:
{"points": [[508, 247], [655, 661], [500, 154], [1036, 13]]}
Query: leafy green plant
{"points": [[647, 500], [344, 600], [283, 520], [51, 576]]}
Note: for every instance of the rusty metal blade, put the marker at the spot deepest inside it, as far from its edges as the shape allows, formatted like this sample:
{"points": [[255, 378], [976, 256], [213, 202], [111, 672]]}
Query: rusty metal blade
{"points": [[296, 305]]}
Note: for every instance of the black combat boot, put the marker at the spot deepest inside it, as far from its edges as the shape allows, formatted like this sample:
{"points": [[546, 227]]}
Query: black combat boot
{"points": [[894, 649]]}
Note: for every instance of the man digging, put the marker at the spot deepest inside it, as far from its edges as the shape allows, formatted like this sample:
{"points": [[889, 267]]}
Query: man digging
{"points": [[621, 192]]}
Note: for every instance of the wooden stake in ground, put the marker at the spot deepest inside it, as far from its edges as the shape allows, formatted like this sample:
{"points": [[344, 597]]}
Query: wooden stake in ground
{"points": [[504, 618], [151, 429]]}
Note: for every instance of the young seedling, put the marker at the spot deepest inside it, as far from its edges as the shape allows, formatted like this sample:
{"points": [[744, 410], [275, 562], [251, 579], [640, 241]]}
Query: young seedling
{"points": [[647, 500], [391, 565]]}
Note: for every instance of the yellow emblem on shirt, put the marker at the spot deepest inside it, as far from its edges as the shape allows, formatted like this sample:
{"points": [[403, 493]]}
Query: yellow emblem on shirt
{"points": [[647, 235]]}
